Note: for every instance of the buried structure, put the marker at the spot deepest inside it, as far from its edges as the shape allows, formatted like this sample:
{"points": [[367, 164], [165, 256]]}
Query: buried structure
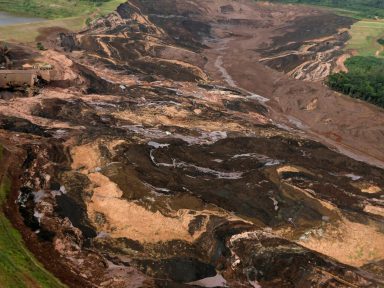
{"points": [[25, 78]]}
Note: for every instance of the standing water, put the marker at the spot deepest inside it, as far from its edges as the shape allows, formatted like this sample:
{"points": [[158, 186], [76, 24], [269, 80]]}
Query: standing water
{"points": [[9, 19]]}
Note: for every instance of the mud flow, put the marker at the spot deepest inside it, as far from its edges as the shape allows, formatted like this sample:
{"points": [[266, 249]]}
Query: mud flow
{"points": [[151, 163]]}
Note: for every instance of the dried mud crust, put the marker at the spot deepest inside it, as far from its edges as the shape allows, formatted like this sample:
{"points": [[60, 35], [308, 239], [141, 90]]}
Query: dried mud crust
{"points": [[139, 197], [135, 177]]}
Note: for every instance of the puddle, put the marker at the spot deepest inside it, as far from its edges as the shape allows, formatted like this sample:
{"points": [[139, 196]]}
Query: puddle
{"points": [[210, 282]]}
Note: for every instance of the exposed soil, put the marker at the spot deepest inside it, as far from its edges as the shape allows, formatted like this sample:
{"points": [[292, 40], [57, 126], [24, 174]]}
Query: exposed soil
{"points": [[352, 127], [171, 157]]}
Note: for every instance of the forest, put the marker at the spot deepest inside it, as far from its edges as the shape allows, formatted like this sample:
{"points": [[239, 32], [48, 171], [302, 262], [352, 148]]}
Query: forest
{"points": [[364, 80]]}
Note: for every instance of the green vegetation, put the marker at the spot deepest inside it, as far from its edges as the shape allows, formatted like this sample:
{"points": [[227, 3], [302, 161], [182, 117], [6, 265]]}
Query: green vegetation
{"points": [[40, 46], [52, 9], [359, 8], [365, 77], [364, 80], [26, 33], [18, 267], [68, 14], [365, 37]]}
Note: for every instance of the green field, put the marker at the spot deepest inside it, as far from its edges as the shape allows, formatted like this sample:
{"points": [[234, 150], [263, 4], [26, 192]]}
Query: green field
{"points": [[68, 14], [364, 38], [358, 8], [54, 9], [366, 32], [26, 33], [18, 267]]}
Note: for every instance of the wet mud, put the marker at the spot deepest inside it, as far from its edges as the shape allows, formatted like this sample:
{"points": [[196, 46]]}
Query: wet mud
{"points": [[147, 171]]}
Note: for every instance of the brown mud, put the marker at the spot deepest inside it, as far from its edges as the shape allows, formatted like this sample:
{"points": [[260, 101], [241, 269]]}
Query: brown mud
{"points": [[152, 165]]}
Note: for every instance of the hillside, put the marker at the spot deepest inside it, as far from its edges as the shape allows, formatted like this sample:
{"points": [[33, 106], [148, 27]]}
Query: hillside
{"points": [[18, 267], [361, 8]]}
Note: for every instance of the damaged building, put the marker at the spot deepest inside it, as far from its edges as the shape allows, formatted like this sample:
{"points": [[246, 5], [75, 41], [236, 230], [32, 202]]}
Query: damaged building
{"points": [[28, 77]]}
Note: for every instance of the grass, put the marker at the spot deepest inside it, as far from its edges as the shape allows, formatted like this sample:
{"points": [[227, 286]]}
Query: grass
{"points": [[364, 38], [359, 9], [18, 267], [366, 32], [54, 9], [27, 33], [57, 12]]}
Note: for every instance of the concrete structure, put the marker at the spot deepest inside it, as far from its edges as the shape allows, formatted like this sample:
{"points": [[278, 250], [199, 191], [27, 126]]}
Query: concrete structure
{"points": [[44, 70], [27, 77], [17, 78]]}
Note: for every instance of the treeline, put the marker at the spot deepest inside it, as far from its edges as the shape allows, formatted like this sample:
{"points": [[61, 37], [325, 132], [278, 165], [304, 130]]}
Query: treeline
{"points": [[363, 8], [364, 80]]}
